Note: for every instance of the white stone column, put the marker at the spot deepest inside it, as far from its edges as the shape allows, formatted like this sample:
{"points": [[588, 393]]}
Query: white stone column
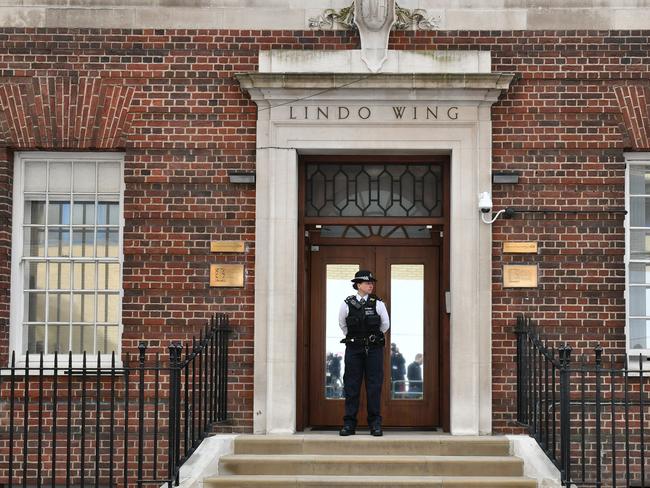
{"points": [[276, 291]]}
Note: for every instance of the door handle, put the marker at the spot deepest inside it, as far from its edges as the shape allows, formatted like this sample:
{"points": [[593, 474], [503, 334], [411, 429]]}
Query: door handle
{"points": [[448, 302]]}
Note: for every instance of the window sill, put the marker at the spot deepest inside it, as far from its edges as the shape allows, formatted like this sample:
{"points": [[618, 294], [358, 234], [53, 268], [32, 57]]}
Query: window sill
{"points": [[63, 365], [637, 360]]}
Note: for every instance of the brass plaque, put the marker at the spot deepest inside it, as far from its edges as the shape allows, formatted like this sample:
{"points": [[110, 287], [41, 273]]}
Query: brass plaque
{"points": [[520, 276], [227, 275], [227, 246], [520, 247]]}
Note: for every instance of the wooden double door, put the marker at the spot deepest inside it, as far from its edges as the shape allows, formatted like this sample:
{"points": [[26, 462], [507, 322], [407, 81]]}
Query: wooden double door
{"points": [[408, 281]]}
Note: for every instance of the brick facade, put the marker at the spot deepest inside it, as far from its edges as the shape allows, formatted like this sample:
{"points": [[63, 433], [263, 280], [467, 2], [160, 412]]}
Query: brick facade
{"points": [[168, 99]]}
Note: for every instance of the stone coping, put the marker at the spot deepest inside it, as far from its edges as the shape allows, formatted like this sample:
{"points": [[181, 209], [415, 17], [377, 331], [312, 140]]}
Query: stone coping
{"points": [[295, 14]]}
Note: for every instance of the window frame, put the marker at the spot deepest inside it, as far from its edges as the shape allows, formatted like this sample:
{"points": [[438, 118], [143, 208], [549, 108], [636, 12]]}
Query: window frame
{"points": [[17, 304], [632, 160]]}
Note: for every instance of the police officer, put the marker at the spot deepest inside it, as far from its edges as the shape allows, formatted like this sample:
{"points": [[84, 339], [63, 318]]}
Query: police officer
{"points": [[364, 320]]}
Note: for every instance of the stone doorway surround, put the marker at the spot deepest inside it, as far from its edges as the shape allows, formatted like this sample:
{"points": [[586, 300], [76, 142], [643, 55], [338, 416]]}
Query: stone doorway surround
{"points": [[447, 99]]}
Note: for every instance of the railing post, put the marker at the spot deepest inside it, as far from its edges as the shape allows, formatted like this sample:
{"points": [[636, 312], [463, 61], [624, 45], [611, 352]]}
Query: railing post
{"points": [[223, 349], [598, 350], [641, 416], [177, 449], [142, 348], [521, 333], [173, 387], [12, 406], [565, 412]]}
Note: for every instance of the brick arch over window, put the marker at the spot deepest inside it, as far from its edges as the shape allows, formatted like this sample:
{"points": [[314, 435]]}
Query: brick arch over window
{"points": [[65, 113], [633, 101]]}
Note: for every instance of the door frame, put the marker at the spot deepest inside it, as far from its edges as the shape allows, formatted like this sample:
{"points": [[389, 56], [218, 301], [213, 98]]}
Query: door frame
{"points": [[303, 246]]}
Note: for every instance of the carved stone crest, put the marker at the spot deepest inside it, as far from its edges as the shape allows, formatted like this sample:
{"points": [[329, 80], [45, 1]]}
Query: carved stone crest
{"points": [[374, 19], [374, 13], [407, 19]]}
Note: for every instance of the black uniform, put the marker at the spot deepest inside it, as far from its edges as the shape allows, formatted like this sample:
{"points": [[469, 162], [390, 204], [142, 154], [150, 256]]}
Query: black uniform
{"points": [[364, 357], [414, 375]]}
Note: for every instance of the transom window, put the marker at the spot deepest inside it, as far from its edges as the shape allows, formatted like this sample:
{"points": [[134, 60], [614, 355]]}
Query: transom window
{"points": [[638, 254], [373, 190], [69, 229]]}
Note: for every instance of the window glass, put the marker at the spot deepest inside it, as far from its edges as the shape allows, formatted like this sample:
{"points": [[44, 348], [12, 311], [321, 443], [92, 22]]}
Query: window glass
{"points": [[34, 213], [84, 177], [639, 243], [60, 176], [640, 334], [407, 331], [640, 211], [639, 273], [373, 190], [639, 180], [35, 275], [35, 176], [59, 275], [83, 213], [58, 213], [109, 176], [34, 241], [337, 287]]}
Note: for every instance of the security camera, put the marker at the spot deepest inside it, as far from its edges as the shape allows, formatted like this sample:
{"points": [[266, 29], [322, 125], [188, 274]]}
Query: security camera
{"points": [[485, 202]]}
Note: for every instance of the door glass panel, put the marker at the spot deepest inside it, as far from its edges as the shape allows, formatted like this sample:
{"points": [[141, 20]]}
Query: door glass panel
{"points": [[407, 331], [338, 287]]}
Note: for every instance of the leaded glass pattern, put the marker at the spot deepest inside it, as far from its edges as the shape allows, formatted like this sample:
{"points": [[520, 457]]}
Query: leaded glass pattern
{"points": [[71, 261], [373, 190]]}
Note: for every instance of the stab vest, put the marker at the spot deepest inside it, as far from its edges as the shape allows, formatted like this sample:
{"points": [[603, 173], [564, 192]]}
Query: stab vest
{"points": [[362, 320]]}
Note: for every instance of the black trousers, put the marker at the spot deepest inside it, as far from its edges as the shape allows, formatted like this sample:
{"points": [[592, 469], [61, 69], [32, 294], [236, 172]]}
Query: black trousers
{"points": [[359, 363]]}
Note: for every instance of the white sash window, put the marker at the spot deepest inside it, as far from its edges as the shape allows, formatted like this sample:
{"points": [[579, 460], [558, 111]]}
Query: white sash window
{"points": [[67, 253], [637, 254]]}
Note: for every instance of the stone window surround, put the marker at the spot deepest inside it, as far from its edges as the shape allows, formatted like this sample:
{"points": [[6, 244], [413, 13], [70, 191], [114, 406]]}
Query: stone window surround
{"points": [[281, 141]]}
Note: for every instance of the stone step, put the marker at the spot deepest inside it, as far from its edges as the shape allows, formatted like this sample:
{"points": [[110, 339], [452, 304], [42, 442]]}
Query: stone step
{"points": [[368, 482], [432, 445], [370, 465]]}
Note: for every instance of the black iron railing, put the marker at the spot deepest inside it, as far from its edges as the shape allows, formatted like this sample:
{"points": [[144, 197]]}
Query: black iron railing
{"points": [[95, 424], [590, 418]]}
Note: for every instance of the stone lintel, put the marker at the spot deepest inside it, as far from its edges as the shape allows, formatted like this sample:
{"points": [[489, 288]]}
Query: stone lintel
{"points": [[350, 61], [384, 81]]}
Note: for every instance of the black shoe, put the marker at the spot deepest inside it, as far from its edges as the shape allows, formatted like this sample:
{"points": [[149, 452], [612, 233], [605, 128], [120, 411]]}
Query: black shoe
{"points": [[376, 431], [347, 430]]}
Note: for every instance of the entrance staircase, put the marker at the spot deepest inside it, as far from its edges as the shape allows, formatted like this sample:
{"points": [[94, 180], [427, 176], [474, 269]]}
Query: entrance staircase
{"points": [[363, 461]]}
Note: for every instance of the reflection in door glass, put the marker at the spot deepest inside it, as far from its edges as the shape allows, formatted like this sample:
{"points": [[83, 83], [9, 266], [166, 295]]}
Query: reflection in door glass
{"points": [[407, 331], [338, 287]]}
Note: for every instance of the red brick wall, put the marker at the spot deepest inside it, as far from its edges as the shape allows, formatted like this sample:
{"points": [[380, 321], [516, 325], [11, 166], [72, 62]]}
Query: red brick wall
{"points": [[188, 124], [6, 189]]}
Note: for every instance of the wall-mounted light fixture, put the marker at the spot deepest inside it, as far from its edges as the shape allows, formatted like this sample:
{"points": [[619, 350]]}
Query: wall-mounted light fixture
{"points": [[505, 178], [241, 177]]}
